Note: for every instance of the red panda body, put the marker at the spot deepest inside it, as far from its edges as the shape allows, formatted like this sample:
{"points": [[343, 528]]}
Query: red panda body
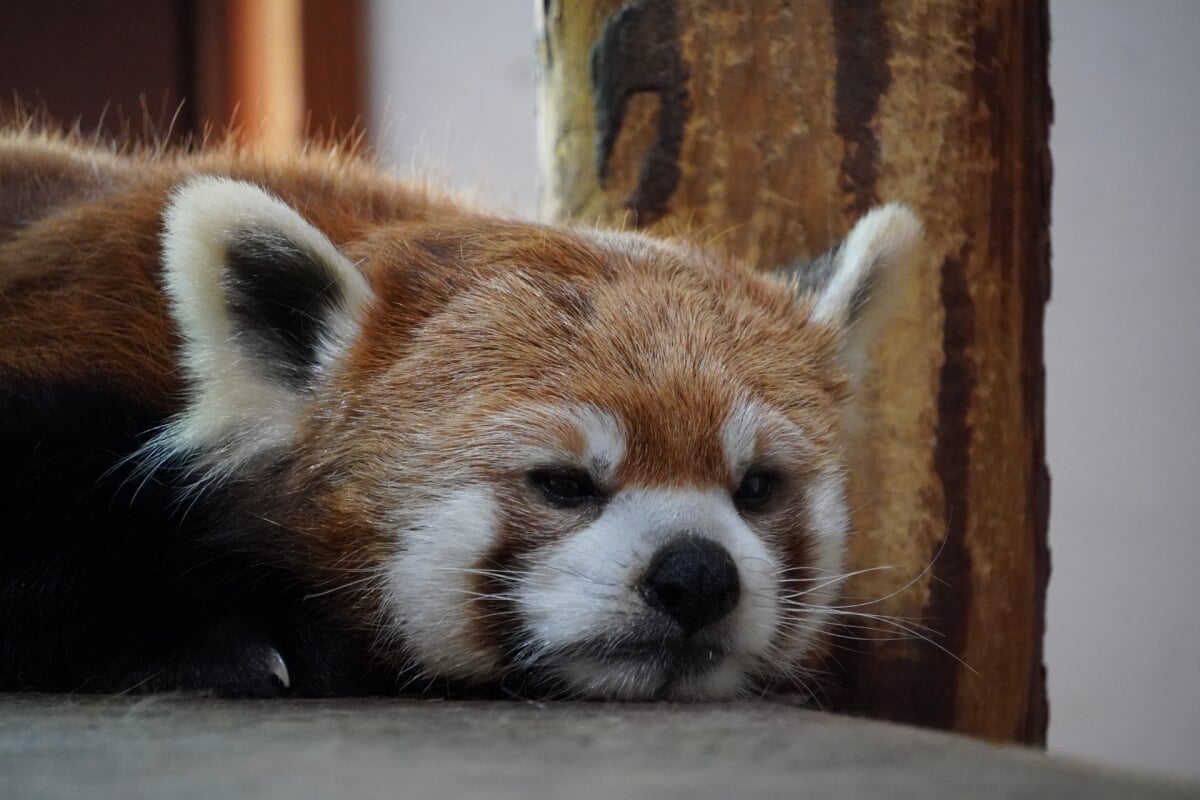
{"points": [[334, 433]]}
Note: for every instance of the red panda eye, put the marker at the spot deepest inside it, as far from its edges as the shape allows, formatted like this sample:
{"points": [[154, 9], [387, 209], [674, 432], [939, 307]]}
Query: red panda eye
{"points": [[565, 487], [754, 491]]}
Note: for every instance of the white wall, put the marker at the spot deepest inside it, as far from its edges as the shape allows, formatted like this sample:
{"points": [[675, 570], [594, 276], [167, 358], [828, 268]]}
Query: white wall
{"points": [[1123, 367], [451, 93], [454, 80]]}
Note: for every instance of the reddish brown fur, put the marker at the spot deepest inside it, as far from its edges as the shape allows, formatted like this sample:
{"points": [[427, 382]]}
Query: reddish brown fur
{"points": [[693, 361], [666, 337], [79, 245]]}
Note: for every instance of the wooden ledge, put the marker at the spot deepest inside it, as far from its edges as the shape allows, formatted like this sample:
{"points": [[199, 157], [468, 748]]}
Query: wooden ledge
{"points": [[180, 747]]}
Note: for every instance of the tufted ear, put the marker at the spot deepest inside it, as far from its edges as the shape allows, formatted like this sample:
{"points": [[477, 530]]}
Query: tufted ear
{"points": [[841, 281], [264, 304]]}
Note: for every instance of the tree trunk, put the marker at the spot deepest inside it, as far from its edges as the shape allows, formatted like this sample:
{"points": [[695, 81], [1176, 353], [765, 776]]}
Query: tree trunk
{"points": [[766, 128]]}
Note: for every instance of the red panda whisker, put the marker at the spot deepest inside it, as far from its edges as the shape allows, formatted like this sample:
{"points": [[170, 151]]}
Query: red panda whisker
{"points": [[796, 598], [915, 631], [825, 583], [510, 574], [864, 602], [892, 634], [785, 579], [355, 570], [831, 609], [342, 587]]}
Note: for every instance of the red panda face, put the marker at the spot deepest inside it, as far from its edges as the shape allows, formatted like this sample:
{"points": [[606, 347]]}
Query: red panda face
{"points": [[590, 461]]}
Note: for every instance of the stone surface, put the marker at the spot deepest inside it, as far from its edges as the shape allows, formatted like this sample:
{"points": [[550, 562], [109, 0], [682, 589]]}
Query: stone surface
{"points": [[179, 747]]}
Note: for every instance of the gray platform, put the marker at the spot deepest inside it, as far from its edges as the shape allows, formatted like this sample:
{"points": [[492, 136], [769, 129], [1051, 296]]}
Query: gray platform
{"points": [[160, 747]]}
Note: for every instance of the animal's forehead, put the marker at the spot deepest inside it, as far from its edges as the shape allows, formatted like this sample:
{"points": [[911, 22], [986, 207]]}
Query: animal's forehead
{"points": [[657, 322], [655, 294], [533, 279], [666, 343]]}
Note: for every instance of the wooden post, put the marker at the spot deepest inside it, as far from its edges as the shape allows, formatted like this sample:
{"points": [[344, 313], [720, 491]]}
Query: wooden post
{"points": [[765, 128]]}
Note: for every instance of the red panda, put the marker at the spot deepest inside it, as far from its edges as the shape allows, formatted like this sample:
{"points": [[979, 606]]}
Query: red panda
{"points": [[290, 424]]}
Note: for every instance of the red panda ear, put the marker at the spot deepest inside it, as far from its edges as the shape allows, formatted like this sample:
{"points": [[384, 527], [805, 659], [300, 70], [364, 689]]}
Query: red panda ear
{"points": [[843, 280], [264, 304]]}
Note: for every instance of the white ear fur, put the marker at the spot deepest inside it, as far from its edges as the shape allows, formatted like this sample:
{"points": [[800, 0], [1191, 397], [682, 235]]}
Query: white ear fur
{"points": [[237, 406], [883, 240]]}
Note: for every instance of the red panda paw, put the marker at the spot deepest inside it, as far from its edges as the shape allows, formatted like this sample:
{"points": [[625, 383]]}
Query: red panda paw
{"points": [[232, 657]]}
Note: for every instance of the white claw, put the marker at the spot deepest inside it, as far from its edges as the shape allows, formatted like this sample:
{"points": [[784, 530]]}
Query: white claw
{"points": [[278, 667]]}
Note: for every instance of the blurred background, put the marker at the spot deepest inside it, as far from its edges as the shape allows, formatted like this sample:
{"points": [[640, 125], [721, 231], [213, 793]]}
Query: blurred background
{"points": [[446, 89]]}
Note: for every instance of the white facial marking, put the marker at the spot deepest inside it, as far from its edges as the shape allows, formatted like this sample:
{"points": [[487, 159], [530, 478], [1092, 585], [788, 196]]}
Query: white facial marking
{"points": [[431, 581], [828, 526], [829, 519], [519, 439], [584, 590], [739, 435], [754, 431], [604, 440]]}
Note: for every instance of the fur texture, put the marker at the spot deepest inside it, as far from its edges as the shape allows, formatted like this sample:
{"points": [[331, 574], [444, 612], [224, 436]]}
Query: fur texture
{"points": [[293, 425]]}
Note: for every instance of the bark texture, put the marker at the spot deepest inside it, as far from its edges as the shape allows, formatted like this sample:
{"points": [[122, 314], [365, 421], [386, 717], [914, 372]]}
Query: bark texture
{"points": [[766, 128]]}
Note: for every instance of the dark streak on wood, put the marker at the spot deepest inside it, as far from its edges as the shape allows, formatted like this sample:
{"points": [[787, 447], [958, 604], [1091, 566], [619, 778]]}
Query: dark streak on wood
{"points": [[887, 680], [950, 587], [1035, 279], [547, 51], [639, 51], [1019, 250], [862, 46]]}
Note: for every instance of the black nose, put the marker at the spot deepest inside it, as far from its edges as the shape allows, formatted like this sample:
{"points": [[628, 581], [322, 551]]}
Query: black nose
{"points": [[694, 580]]}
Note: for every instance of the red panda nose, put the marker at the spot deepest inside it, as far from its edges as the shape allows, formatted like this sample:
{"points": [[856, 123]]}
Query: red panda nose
{"points": [[693, 580]]}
